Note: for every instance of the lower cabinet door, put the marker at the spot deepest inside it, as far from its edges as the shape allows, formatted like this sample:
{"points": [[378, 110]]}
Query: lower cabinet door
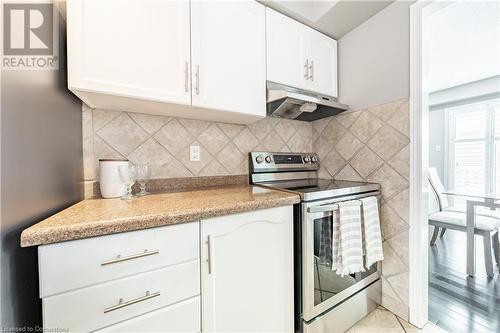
{"points": [[247, 272], [181, 317]]}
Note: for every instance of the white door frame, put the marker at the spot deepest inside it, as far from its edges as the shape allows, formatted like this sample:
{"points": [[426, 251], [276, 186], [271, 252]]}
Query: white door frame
{"points": [[419, 155]]}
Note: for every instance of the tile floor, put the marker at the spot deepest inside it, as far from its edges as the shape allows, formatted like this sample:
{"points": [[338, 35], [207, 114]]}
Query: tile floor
{"points": [[384, 321]]}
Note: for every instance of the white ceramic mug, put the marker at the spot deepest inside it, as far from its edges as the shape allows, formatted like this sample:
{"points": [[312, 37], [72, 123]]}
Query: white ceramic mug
{"points": [[109, 178]]}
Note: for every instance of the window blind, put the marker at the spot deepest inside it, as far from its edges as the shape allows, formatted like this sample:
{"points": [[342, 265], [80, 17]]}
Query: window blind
{"points": [[474, 147]]}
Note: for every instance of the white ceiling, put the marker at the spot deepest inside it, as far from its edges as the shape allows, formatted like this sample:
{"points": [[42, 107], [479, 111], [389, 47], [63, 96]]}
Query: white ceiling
{"points": [[334, 18], [464, 43]]}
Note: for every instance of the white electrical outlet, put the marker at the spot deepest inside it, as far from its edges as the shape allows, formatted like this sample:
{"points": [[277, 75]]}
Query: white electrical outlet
{"points": [[194, 153], [437, 148]]}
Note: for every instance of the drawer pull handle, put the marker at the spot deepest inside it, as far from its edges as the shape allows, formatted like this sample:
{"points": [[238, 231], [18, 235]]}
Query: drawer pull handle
{"points": [[119, 258], [122, 304]]}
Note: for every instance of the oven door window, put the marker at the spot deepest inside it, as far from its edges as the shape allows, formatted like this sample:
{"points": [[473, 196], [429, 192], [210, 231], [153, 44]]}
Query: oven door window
{"points": [[327, 283]]}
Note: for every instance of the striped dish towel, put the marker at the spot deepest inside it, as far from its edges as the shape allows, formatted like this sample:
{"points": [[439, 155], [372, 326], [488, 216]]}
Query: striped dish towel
{"points": [[336, 257], [372, 236], [325, 242], [349, 245]]}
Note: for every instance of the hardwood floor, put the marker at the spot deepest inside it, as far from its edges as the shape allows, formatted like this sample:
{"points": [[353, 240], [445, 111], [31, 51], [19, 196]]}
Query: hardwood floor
{"points": [[458, 303]]}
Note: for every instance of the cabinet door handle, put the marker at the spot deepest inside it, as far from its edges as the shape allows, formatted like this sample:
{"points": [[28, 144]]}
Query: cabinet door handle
{"points": [[122, 303], [306, 69], [186, 77], [197, 74], [119, 258], [209, 254], [311, 68]]}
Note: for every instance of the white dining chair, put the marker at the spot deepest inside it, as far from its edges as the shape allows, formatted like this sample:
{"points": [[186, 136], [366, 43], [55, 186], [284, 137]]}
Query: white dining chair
{"points": [[442, 199], [487, 224]]}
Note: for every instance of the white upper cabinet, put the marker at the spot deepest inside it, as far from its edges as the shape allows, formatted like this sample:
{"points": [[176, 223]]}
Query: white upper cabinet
{"points": [[137, 49], [300, 56], [286, 54], [228, 43], [322, 56], [140, 56]]}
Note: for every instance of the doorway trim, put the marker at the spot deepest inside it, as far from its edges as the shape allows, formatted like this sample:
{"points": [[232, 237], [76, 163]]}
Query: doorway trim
{"points": [[419, 160]]}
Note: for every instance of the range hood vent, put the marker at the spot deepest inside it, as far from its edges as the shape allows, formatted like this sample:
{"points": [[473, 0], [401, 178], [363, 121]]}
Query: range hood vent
{"points": [[292, 103]]}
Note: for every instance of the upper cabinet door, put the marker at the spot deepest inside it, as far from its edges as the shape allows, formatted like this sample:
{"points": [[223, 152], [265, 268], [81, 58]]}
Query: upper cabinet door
{"points": [[229, 56], [286, 53], [322, 55], [299, 56], [137, 49]]}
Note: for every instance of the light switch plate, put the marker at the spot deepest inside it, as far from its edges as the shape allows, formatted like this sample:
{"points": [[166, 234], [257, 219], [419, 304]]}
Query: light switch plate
{"points": [[437, 148], [194, 153]]}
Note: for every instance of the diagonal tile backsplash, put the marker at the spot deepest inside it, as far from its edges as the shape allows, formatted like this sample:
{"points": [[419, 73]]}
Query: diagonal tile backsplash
{"points": [[370, 144], [164, 142], [373, 145]]}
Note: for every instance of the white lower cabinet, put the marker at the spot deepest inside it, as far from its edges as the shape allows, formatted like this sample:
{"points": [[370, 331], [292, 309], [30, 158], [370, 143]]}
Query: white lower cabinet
{"points": [[88, 309], [247, 272], [180, 317], [149, 280], [107, 258], [133, 281]]}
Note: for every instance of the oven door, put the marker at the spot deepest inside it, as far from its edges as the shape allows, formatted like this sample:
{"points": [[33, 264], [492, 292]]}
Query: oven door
{"points": [[322, 288]]}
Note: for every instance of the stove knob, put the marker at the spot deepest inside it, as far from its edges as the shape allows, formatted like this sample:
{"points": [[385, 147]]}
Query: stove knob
{"points": [[269, 159], [314, 159], [307, 159], [259, 159]]}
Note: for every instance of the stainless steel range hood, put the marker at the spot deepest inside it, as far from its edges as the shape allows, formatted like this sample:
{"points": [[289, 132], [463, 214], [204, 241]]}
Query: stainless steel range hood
{"points": [[292, 103]]}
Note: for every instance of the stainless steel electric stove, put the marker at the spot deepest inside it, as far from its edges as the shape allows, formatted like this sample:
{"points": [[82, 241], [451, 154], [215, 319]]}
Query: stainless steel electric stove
{"points": [[324, 301]]}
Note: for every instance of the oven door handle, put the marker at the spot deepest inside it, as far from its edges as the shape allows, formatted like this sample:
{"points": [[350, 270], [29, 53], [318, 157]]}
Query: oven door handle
{"points": [[322, 209]]}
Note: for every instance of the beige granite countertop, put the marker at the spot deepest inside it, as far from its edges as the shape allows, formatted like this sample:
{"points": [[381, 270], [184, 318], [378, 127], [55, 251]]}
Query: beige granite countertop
{"points": [[89, 218]]}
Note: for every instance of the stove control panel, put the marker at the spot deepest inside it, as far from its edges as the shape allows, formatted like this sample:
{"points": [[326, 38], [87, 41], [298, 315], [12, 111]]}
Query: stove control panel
{"points": [[273, 161], [287, 159]]}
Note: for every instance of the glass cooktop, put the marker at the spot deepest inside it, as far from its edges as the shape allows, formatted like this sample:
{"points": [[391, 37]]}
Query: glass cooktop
{"points": [[318, 188]]}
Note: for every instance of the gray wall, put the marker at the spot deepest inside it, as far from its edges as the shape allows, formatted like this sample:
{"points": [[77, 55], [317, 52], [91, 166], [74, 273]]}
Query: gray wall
{"points": [[41, 162], [374, 59]]}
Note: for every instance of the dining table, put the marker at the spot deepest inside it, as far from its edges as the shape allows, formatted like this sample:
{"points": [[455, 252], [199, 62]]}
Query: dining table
{"points": [[474, 200]]}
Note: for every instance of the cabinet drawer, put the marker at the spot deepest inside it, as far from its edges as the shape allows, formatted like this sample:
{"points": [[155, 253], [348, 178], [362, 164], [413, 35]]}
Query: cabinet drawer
{"points": [[75, 264], [180, 317], [99, 306]]}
